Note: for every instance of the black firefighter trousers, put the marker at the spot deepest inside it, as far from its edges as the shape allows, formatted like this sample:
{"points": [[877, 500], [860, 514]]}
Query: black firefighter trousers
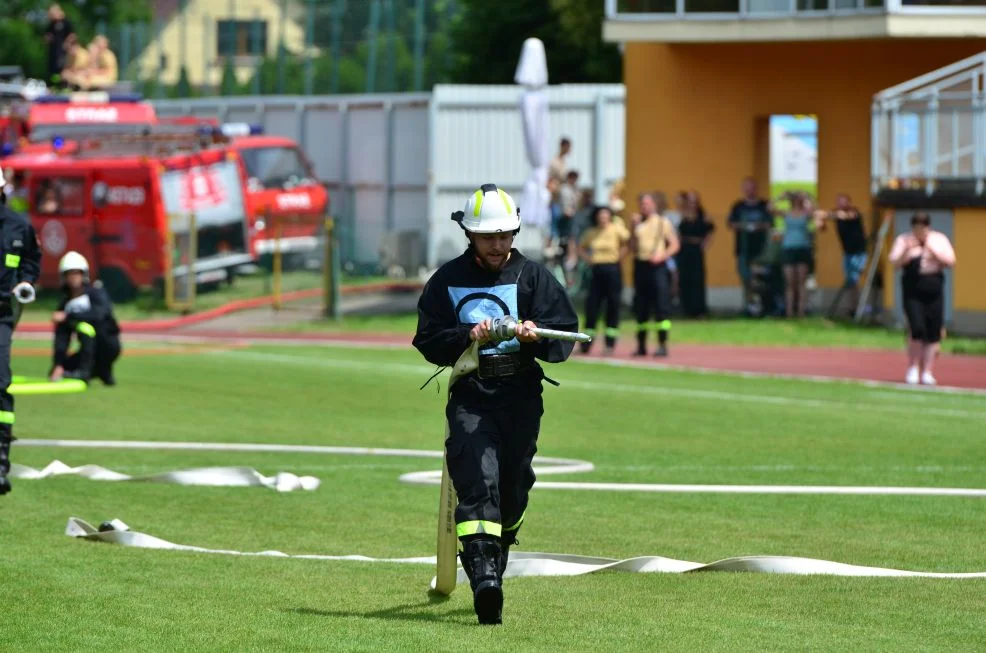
{"points": [[6, 399], [489, 453]]}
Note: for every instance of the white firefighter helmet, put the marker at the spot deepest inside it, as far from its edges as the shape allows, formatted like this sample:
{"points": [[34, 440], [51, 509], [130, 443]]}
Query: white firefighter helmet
{"points": [[489, 210], [73, 261]]}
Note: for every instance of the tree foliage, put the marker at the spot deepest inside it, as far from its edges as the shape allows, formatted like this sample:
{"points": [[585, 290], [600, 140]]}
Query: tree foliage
{"points": [[488, 37], [464, 41]]}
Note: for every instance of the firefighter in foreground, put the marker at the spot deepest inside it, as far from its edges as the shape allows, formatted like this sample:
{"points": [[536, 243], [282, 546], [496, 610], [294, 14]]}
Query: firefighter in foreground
{"points": [[494, 414], [85, 310], [21, 267]]}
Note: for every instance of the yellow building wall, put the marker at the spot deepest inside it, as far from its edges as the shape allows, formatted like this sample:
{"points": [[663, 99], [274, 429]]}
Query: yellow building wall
{"points": [[969, 227], [692, 113], [198, 40]]}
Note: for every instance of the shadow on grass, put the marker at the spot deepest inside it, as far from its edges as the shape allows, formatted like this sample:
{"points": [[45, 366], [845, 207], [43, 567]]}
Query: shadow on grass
{"points": [[414, 612]]}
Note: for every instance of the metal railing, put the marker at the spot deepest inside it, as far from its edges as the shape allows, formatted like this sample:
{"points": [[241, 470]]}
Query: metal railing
{"points": [[658, 10], [932, 129]]}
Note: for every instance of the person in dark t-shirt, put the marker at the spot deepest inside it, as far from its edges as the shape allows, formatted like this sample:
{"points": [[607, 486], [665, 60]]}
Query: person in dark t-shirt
{"points": [[751, 219], [852, 236], [59, 29]]}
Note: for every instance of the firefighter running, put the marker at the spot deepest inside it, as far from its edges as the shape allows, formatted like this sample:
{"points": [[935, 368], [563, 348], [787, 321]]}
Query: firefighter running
{"points": [[86, 311], [21, 267], [494, 414]]}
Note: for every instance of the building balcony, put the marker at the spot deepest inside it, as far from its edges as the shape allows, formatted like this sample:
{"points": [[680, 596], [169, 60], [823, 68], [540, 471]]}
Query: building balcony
{"points": [[703, 21], [929, 136]]}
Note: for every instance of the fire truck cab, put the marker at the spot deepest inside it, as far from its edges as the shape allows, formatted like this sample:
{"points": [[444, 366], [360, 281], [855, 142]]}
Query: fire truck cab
{"points": [[118, 210], [283, 193]]}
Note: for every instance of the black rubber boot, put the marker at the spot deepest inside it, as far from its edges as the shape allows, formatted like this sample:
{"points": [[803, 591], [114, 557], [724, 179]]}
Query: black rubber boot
{"points": [[481, 561], [506, 541], [662, 343], [4, 465], [641, 344]]}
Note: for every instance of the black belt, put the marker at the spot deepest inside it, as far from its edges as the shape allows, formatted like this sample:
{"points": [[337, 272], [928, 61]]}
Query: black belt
{"points": [[495, 365]]}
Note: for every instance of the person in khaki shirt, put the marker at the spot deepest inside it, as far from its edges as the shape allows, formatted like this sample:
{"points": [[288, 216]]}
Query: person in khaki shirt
{"points": [[654, 243], [76, 63], [103, 69], [602, 246]]}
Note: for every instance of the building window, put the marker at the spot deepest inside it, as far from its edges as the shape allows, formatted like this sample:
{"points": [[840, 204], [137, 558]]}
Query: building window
{"points": [[712, 6], [646, 6], [241, 38]]}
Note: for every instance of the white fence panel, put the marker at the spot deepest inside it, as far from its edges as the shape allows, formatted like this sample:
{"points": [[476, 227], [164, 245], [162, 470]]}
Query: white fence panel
{"points": [[402, 163]]}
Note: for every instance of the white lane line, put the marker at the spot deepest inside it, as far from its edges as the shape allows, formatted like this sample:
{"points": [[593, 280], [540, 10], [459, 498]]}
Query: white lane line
{"points": [[544, 466], [653, 389]]}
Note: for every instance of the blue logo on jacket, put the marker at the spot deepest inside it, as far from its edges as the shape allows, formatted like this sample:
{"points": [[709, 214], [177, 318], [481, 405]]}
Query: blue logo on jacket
{"points": [[473, 305]]}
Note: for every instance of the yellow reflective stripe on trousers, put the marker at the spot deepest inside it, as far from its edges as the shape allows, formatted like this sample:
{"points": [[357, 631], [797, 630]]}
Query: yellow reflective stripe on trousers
{"points": [[12, 260], [478, 527], [6, 417], [86, 329], [664, 325], [612, 332], [519, 522], [643, 326], [479, 204]]}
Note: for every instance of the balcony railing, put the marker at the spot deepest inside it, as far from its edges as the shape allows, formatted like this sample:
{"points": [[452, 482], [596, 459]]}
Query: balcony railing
{"points": [[931, 130], [651, 10]]}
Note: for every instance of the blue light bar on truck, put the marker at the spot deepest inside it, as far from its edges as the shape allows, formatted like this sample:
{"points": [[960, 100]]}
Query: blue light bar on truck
{"points": [[98, 98], [231, 129]]}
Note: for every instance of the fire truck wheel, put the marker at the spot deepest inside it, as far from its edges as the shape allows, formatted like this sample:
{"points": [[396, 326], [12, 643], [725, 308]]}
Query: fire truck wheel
{"points": [[117, 284]]}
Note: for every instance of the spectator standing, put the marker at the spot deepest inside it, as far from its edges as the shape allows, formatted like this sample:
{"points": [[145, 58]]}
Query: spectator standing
{"points": [[602, 246], [796, 228], [558, 168], [695, 234], [922, 255], [751, 220], [654, 242], [852, 237], [568, 196], [57, 36]]}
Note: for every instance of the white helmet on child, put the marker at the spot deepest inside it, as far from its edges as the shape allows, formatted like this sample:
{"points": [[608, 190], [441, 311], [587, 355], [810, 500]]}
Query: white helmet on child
{"points": [[489, 210], [73, 261]]}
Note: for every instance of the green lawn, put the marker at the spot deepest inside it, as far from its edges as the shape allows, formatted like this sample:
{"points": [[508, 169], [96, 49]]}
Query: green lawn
{"points": [[810, 332], [635, 425]]}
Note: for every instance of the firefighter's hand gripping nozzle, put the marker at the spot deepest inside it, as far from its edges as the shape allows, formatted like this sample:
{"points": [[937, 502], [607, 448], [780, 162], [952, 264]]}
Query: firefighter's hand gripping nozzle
{"points": [[505, 328]]}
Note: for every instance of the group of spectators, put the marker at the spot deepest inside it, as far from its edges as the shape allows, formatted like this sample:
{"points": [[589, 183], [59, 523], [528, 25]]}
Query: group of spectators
{"points": [[774, 240], [71, 64]]}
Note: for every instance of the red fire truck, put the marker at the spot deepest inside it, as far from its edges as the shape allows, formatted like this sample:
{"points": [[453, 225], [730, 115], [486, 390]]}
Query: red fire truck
{"points": [[283, 193], [31, 124], [115, 204]]}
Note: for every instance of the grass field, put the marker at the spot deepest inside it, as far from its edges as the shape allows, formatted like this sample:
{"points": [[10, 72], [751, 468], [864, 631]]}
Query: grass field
{"points": [[809, 332], [635, 425]]}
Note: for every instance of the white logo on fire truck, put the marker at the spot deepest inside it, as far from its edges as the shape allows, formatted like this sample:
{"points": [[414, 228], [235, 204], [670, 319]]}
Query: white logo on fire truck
{"points": [[201, 189], [92, 114], [117, 195], [130, 196], [53, 237], [294, 201]]}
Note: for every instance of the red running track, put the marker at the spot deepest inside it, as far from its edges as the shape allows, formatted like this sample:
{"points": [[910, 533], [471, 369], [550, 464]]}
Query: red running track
{"points": [[968, 372]]}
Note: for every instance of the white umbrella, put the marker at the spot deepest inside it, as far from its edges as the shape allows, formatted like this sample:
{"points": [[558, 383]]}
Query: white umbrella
{"points": [[532, 74]]}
